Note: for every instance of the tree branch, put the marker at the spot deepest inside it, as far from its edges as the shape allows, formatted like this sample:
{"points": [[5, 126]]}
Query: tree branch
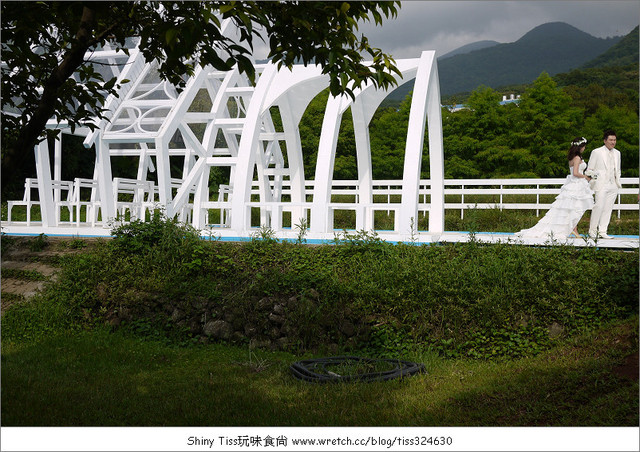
{"points": [[72, 60], [29, 135]]}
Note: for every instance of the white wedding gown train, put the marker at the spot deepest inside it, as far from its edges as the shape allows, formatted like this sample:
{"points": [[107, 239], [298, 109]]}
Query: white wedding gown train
{"points": [[574, 199]]}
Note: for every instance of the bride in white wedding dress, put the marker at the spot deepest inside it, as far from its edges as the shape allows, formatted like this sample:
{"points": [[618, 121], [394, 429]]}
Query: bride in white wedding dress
{"points": [[575, 197]]}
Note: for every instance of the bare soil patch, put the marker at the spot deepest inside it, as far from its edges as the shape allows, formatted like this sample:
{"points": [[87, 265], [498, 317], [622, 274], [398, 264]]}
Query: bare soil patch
{"points": [[18, 256]]}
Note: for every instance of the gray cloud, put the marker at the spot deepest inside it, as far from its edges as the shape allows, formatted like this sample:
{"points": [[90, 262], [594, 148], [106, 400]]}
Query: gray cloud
{"points": [[446, 25]]}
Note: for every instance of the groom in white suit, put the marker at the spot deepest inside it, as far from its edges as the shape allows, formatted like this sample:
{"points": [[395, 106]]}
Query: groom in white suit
{"points": [[605, 163]]}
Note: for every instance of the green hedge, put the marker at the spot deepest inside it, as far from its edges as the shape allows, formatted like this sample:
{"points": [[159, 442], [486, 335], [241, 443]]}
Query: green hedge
{"points": [[468, 299]]}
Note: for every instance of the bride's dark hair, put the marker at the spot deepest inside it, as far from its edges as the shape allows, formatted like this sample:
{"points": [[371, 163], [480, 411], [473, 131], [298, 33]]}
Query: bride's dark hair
{"points": [[576, 145]]}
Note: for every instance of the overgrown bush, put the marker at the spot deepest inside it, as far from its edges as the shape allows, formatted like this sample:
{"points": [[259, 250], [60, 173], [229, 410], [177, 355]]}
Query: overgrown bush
{"points": [[359, 294], [39, 243], [142, 236]]}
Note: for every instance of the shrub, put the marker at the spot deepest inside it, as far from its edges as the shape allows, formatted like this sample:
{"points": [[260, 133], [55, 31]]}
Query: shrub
{"points": [[38, 243], [466, 299], [141, 236]]}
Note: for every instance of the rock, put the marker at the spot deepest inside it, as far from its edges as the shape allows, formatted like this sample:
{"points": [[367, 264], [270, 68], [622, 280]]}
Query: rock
{"points": [[555, 330], [288, 329], [250, 330], [194, 326], [265, 343], [201, 303], [279, 309], [282, 343], [264, 304], [313, 294], [177, 315], [274, 333], [219, 329], [347, 328], [276, 319]]}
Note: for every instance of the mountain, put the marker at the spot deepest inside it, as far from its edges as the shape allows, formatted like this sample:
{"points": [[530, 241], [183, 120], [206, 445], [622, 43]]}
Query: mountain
{"points": [[403, 90], [553, 47], [624, 53], [479, 45]]}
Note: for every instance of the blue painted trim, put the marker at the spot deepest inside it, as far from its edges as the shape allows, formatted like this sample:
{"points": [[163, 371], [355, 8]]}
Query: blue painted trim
{"points": [[309, 241], [30, 234]]}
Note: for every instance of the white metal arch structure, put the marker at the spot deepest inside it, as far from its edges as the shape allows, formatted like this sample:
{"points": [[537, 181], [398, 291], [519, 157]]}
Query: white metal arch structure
{"points": [[292, 91], [425, 104], [221, 120]]}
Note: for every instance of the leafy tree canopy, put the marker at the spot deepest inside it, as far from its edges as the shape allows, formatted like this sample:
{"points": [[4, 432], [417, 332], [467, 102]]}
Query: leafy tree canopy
{"points": [[44, 44]]}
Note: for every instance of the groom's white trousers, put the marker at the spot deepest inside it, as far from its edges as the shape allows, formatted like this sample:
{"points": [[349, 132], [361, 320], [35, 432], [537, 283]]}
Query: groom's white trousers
{"points": [[601, 212]]}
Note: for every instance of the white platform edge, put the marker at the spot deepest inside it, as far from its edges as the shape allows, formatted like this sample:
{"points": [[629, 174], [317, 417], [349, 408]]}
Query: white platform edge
{"points": [[72, 231]]}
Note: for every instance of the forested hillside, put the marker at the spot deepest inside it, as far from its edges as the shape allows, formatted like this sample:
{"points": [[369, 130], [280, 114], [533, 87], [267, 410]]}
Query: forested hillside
{"points": [[489, 140], [553, 48], [622, 54], [469, 48]]}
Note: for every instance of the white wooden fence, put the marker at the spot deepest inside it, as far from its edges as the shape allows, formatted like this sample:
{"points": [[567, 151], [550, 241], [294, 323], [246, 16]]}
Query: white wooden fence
{"points": [[139, 197]]}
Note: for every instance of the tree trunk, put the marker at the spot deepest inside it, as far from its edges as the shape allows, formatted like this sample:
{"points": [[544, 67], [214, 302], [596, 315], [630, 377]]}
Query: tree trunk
{"points": [[17, 153]]}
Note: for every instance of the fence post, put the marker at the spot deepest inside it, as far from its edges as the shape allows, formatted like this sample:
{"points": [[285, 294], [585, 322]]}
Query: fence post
{"points": [[618, 201]]}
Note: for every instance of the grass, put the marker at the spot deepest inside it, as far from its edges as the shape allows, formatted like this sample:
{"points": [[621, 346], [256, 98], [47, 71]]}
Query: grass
{"points": [[510, 335], [98, 378], [362, 295], [25, 275]]}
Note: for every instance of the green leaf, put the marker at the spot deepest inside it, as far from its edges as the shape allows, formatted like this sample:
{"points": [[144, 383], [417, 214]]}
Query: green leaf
{"points": [[170, 36]]}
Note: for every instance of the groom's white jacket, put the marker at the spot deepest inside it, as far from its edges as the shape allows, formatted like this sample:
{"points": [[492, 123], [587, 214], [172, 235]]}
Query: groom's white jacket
{"points": [[598, 163]]}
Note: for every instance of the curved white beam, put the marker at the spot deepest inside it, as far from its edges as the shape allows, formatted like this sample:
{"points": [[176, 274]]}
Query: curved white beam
{"points": [[248, 150], [436, 153], [425, 102], [325, 163], [299, 85], [367, 101], [292, 91], [290, 123]]}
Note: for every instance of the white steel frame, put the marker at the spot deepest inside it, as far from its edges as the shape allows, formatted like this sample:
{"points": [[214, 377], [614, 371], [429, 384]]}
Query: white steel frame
{"points": [[220, 119], [150, 116]]}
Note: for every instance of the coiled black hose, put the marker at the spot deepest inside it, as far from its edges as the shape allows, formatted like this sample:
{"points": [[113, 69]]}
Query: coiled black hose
{"points": [[319, 370]]}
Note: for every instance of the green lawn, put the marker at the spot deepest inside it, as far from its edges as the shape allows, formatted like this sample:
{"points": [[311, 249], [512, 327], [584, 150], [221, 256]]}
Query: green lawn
{"points": [[104, 379], [509, 335]]}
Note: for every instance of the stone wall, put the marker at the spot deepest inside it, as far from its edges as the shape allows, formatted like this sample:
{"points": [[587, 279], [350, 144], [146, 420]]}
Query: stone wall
{"points": [[297, 322]]}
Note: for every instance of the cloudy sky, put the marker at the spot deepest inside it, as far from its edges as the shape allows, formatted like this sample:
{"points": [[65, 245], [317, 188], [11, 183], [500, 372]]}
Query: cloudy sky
{"points": [[443, 25]]}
